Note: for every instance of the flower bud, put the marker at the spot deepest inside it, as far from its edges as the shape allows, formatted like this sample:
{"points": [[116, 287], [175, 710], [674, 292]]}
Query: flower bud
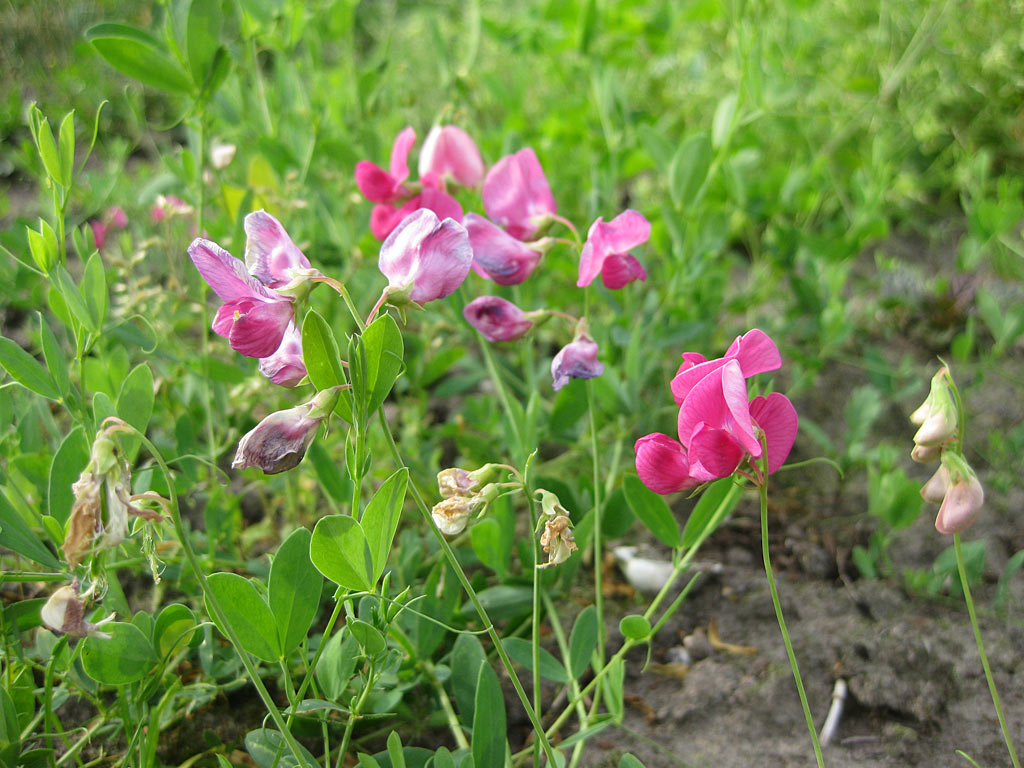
{"points": [[453, 514], [497, 319], [925, 454], [961, 505], [939, 426], [286, 367], [64, 612], [497, 255], [557, 540], [279, 442], [221, 155], [934, 491], [576, 360], [456, 482], [517, 196], [449, 151]]}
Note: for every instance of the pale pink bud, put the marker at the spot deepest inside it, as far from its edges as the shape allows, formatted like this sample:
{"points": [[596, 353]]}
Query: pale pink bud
{"points": [[99, 233], [497, 319], [116, 217], [938, 427], [961, 505], [279, 442], [925, 454], [286, 367], [576, 360], [934, 491], [424, 258], [449, 151]]}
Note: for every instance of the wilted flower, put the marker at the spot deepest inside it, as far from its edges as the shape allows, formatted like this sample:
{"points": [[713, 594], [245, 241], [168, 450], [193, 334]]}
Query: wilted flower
{"points": [[253, 318], [424, 258], [557, 540], [286, 367], [221, 155], [64, 612], [497, 319], [606, 251], [516, 194], [576, 360], [279, 442], [453, 514], [449, 152], [456, 482], [497, 255]]}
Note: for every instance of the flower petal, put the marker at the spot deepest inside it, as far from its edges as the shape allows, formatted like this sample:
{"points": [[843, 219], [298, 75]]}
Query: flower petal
{"points": [[269, 251], [400, 154], [259, 331], [496, 318], [376, 184], [714, 453], [719, 400], [756, 353], [620, 269], [225, 274], [496, 254], [516, 192], [449, 151], [444, 259], [776, 416], [399, 254], [627, 230], [662, 465]]}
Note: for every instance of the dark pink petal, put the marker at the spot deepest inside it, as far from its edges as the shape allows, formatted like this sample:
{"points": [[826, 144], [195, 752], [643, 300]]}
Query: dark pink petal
{"points": [[259, 331], [384, 219], [719, 400], [99, 233], [497, 319], [496, 254], [714, 453], [441, 203], [777, 418], [620, 270], [662, 465], [687, 377], [269, 251], [226, 275], [627, 230], [376, 184], [400, 155], [516, 193], [593, 255], [449, 151], [756, 353], [226, 315]]}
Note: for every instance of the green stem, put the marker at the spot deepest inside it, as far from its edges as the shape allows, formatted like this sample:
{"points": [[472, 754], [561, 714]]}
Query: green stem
{"points": [[353, 715], [535, 623], [319, 650], [981, 651], [598, 592], [778, 607], [499, 385], [48, 717]]}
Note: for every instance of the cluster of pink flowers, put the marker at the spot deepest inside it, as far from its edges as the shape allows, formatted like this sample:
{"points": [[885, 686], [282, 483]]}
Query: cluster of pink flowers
{"points": [[505, 246], [719, 427]]}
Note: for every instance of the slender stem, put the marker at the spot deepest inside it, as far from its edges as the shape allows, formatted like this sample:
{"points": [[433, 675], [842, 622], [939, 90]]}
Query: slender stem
{"points": [[377, 306], [319, 650], [981, 651], [778, 609], [598, 555], [353, 715], [535, 623], [499, 385], [48, 716]]}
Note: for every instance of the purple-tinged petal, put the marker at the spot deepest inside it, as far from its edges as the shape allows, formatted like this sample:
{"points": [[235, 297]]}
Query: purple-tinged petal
{"points": [[497, 319], [286, 367], [496, 254], [441, 203], [400, 155], [961, 505], [516, 193], [376, 184], [259, 331], [225, 274], [662, 465], [620, 269], [576, 360], [399, 254], [756, 353], [228, 312], [777, 418], [269, 251], [714, 453], [445, 258], [449, 151], [593, 254]]}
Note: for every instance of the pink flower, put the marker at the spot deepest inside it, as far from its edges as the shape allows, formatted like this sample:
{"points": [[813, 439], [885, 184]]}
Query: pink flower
{"points": [[662, 464], [496, 254], [279, 442], [576, 360], [286, 367], [384, 218], [516, 194], [99, 233], [754, 351], [448, 151], [253, 318], [171, 205], [606, 250], [497, 319], [380, 186], [425, 258], [270, 254]]}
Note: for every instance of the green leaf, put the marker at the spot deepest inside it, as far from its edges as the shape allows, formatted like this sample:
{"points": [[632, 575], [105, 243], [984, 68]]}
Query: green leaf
{"points": [[721, 124], [719, 493], [203, 37], [174, 629], [635, 627], [582, 641], [294, 589], [135, 404], [443, 759], [628, 761], [652, 510], [125, 657], [268, 748], [18, 537], [490, 545], [94, 290], [613, 688], [26, 370], [467, 657], [72, 296], [328, 473], [48, 149], [102, 408], [384, 352], [689, 168], [320, 352], [340, 552], [66, 136], [336, 665], [504, 601], [247, 613], [56, 360], [489, 726], [42, 253], [68, 462], [521, 652], [380, 519], [139, 55]]}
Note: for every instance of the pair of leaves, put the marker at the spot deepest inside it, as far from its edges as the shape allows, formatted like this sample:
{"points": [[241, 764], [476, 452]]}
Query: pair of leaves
{"points": [[351, 553]]}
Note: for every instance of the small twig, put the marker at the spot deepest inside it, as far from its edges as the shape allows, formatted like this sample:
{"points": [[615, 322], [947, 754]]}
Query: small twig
{"points": [[835, 713]]}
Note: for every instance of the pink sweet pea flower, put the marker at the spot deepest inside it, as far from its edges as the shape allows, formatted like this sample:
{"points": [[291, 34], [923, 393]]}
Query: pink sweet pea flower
{"points": [[448, 151], [253, 318], [425, 258], [380, 186], [606, 250], [286, 367], [516, 194], [496, 254], [576, 360], [662, 464], [497, 319], [270, 254], [754, 351]]}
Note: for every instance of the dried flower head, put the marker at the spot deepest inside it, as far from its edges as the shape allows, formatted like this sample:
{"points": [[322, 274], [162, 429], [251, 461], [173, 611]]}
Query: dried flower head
{"points": [[64, 612], [557, 540]]}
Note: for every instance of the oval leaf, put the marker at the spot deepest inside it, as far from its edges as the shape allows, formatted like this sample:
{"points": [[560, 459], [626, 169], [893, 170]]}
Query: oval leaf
{"points": [[268, 748], [635, 627], [380, 519], [652, 510], [294, 589], [125, 657], [340, 552], [689, 168], [247, 613], [174, 629], [139, 55], [489, 726], [25, 370], [582, 641], [521, 652], [68, 462], [320, 352], [721, 492]]}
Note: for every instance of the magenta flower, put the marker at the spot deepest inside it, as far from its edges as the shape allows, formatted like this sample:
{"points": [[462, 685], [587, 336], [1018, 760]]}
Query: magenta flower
{"points": [[270, 254], [754, 351], [516, 194], [449, 152], [662, 464], [497, 319], [286, 367], [380, 186], [496, 254], [606, 251], [576, 360], [253, 318], [425, 258], [384, 218]]}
